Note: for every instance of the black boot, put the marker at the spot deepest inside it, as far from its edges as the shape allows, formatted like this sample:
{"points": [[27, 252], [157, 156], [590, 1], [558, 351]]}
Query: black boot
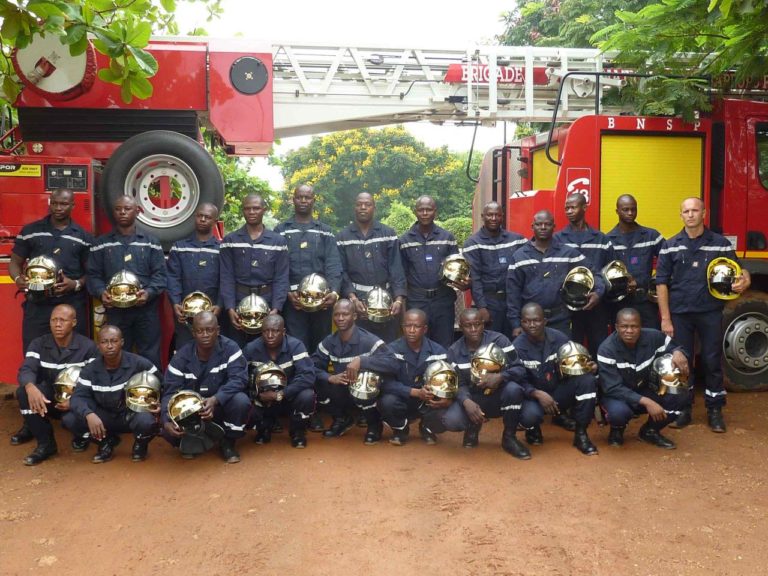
{"points": [[471, 435], [228, 452], [298, 433], [652, 436], [582, 442], [80, 443], [616, 436], [429, 437], [263, 434], [513, 446], [564, 421], [400, 437], [715, 420], [316, 423], [41, 453], [534, 437], [140, 449], [373, 434], [683, 419], [339, 427], [106, 450], [21, 436]]}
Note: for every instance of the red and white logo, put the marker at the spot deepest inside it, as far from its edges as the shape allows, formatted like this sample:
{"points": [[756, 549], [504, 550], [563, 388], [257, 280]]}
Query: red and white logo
{"points": [[580, 182]]}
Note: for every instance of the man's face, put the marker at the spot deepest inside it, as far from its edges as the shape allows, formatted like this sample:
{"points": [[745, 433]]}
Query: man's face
{"points": [[692, 212], [205, 331], [273, 333], [63, 322], [533, 323], [543, 227], [60, 205], [125, 212], [425, 211], [626, 208], [364, 209], [414, 329], [205, 219], [575, 208], [492, 218], [628, 327], [344, 316], [253, 211], [110, 343], [472, 327], [304, 201]]}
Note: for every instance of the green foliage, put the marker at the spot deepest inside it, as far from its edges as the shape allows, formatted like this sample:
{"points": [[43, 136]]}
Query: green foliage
{"points": [[119, 29], [389, 163], [400, 217], [460, 227]]}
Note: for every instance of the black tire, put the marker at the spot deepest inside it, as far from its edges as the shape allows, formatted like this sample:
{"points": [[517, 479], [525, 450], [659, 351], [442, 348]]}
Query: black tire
{"points": [[745, 343], [136, 168]]}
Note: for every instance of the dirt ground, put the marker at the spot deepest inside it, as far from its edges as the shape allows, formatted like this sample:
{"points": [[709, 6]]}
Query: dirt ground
{"points": [[340, 507]]}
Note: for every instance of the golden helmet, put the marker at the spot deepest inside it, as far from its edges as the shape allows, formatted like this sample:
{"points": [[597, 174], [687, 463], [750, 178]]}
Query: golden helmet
{"points": [[573, 359], [142, 392], [313, 289], [184, 407], [577, 285], [194, 303], [366, 387], [721, 274], [666, 377], [441, 379], [455, 270], [378, 302], [123, 287], [653, 296], [251, 311], [617, 279], [488, 359], [65, 383], [270, 377], [42, 274]]}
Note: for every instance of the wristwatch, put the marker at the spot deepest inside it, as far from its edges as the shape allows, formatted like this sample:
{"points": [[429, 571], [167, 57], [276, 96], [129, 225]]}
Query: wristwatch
{"points": [[280, 395]]}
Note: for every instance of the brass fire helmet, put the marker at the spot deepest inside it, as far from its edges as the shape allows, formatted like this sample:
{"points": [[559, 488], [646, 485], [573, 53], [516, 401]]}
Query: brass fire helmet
{"points": [[617, 279], [666, 377], [573, 359], [124, 288], [65, 383], [455, 271], [142, 392], [489, 359], [441, 379], [194, 303], [184, 409], [378, 302], [577, 285], [366, 387], [653, 296], [251, 311], [272, 378], [313, 289], [42, 273], [721, 273]]}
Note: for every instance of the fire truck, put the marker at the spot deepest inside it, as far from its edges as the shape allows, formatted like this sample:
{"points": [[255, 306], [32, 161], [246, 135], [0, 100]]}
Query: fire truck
{"points": [[75, 132]]}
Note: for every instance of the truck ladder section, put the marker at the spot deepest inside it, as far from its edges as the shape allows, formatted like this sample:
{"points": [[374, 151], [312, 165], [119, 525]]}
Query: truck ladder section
{"points": [[323, 88]]}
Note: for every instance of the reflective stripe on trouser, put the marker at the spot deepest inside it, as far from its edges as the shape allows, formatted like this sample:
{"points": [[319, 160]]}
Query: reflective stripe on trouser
{"points": [[396, 411], [299, 408], [142, 424], [505, 403], [341, 403], [40, 426], [576, 392], [619, 412]]}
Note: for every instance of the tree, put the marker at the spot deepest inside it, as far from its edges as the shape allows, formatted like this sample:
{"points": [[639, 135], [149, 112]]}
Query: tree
{"points": [[400, 217], [119, 29], [389, 163]]}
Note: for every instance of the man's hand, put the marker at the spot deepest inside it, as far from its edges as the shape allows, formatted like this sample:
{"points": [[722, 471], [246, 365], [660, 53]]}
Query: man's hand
{"points": [[742, 283], [37, 400], [106, 299], [64, 286], [330, 300], [462, 286], [654, 409], [422, 394], [22, 282], [96, 427], [475, 414], [547, 402], [338, 379], [235, 319], [681, 362], [360, 308], [439, 403], [485, 316], [490, 381], [632, 285], [179, 313], [216, 310], [172, 430], [593, 301], [667, 327], [293, 298], [208, 405], [142, 297], [353, 369], [397, 306], [274, 311], [592, 366]]}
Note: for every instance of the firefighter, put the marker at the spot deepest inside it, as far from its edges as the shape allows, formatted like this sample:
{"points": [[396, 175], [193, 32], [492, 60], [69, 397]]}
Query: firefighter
{"points": [[546, 390], [62, 239], [537, 272], [339, 359], [125, 248], [47, 356], [298, 398], [489, 253], [590, 324], [637, 247], [98, 403], [688, 309], [422, 249], [404, 398], [494, 395], [370, 257], [625, 360], [214, 367], [253, 260], [193, 265]]}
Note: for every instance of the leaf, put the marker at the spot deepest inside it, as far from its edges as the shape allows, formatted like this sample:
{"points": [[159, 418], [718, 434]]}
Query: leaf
{"points": [[11, 88], [139, 35], [141, 87], [107, 75], [145, 60], [79, 47], [125, 91], [11, 26], [44, 9], [74, 33], [168, 5]]}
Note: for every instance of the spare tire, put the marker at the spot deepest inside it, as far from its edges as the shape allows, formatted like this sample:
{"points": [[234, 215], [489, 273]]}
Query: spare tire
{"points": [[169, 175], [745, 343]]}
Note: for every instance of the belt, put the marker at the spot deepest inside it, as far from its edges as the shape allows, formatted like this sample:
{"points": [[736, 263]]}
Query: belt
{"points": [[495, 295], [365, 288], [258, 289], [551, 312], [428, 293]]}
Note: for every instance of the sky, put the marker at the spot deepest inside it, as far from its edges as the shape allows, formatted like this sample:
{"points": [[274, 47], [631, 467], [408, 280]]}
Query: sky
{"points": [[398, 23]]}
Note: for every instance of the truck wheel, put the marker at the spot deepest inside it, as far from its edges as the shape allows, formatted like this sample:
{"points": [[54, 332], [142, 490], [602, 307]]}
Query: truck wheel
{"points": [[169, 175], [745, 343]]}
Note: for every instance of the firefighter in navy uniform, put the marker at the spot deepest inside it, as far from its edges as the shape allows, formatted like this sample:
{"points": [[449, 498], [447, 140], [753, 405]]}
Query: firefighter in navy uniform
{"points": [[214, 367], [636, 246], [46, 357], [489, 253], [298, 398], [98, 404], [688, 308], [546, 390], [193, 266], [496, 395], [404, 398], [60, 238], [127, 249], [370, 257], [537, 272], [339, 359], [253, 260], [590, 323], [311, 249], [422, 250], [625, 360]]}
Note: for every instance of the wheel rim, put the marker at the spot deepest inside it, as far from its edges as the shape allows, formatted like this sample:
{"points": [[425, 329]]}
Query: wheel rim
{"points": [[745, 345], [166, 190]]}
